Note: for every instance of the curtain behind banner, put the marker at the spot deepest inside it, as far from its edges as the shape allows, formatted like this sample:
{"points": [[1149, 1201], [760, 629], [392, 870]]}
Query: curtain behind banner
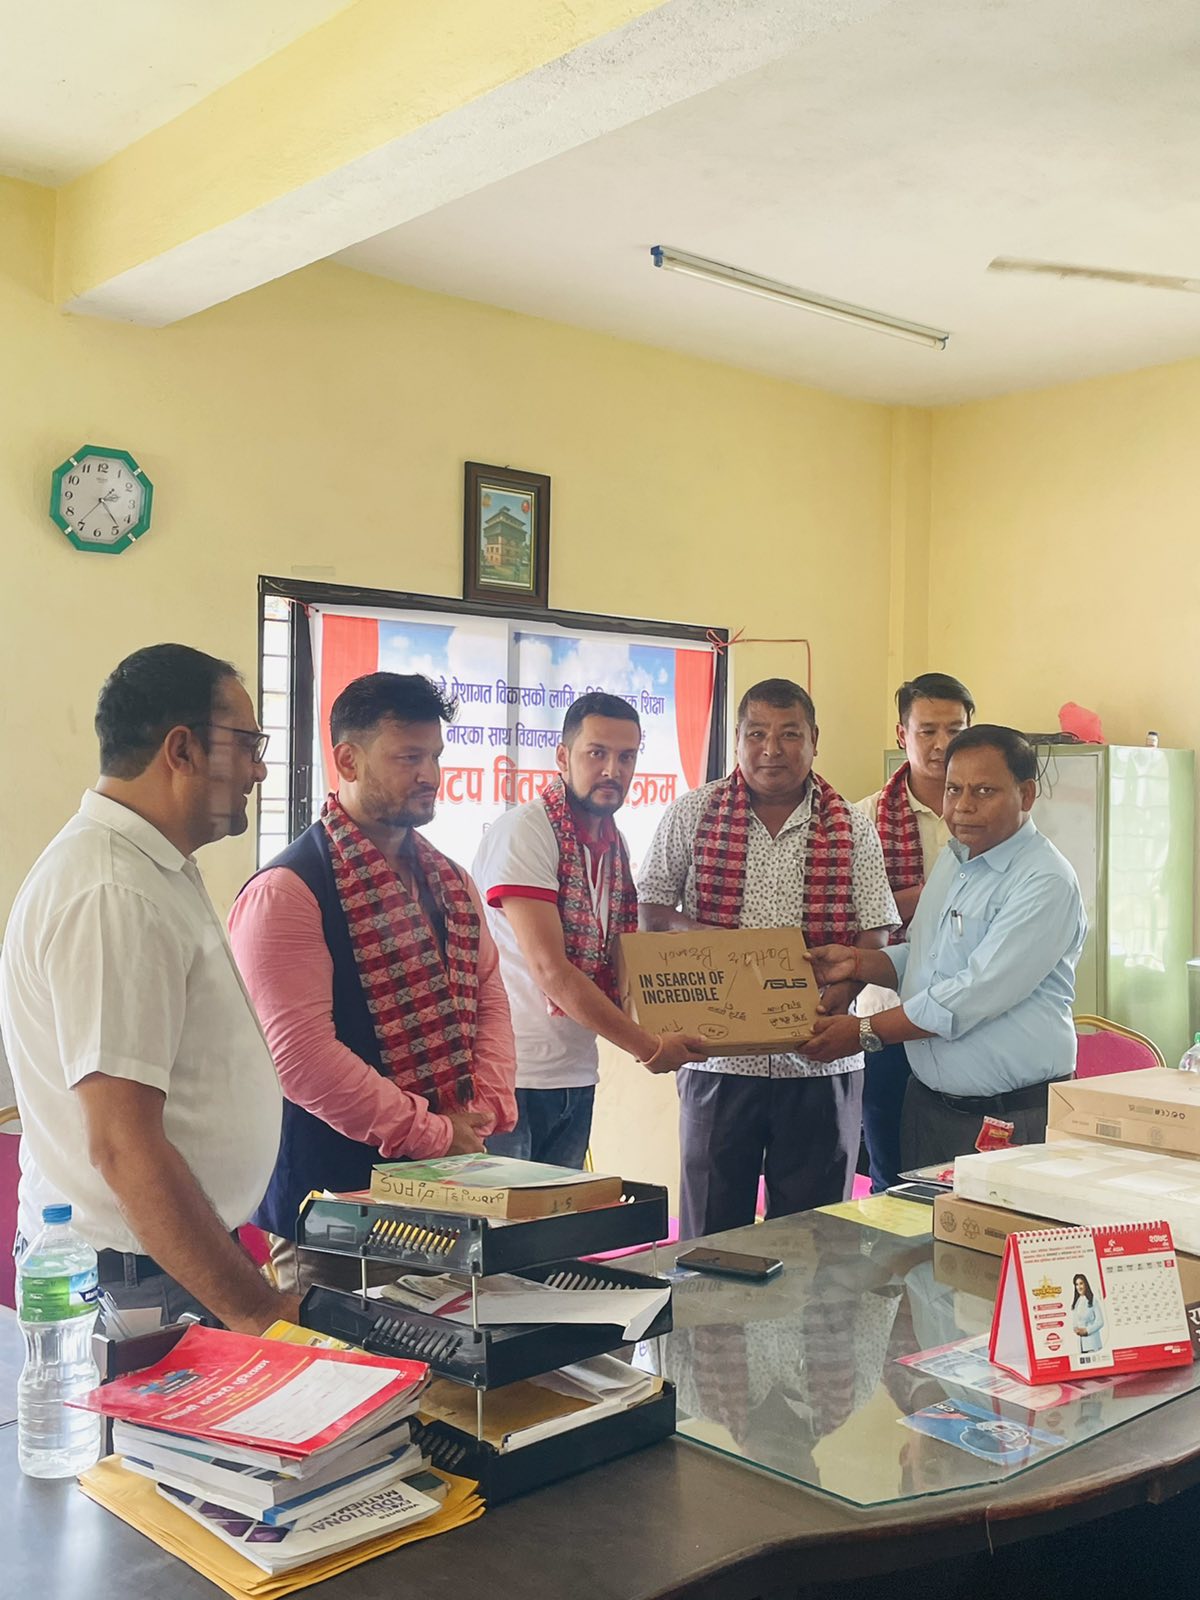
{"points": [[695, 672], [348, 648]]}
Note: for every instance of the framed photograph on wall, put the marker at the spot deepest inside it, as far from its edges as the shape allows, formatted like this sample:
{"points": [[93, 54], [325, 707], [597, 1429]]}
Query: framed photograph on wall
{"points": [[506, 536]]}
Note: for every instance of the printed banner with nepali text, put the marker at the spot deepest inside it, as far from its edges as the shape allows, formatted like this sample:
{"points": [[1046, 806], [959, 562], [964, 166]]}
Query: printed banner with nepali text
{"points": [[514, 683]]}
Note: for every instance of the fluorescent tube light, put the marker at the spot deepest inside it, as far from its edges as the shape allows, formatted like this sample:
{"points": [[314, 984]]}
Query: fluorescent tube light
{"points": [[768, 289]]}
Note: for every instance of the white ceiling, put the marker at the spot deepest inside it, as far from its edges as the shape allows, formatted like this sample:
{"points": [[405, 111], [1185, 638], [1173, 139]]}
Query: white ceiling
{"points": [[883, 163], [80, 81], [883, 154]]}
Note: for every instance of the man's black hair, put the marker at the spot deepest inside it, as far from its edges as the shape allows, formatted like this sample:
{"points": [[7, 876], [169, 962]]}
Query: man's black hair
{"points": [[162, 687], [379, 696], [597, 704], [781, 694], [1020, 757], [933, 686]]}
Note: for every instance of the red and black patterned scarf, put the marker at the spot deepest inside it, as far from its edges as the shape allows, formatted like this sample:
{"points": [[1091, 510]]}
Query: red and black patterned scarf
{"points": [[587, 948], [722, 845], [423, 1005], [900, 836]]}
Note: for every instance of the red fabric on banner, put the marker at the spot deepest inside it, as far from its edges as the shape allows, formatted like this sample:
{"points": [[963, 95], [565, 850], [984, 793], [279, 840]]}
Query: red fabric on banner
{"points": [[694, 673], [349, 648]]}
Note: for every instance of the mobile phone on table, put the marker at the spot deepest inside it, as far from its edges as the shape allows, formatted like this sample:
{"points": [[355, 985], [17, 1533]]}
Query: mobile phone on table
{"points": [[927, 1193], [730, 1264]]}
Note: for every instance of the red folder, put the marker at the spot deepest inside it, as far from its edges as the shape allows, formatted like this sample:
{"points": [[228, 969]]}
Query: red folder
{"points": [[293, 1399]]}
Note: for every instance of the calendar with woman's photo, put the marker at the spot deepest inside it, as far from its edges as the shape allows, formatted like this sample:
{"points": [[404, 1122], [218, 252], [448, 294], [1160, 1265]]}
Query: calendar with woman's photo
{"points": [[1089, 1302]]}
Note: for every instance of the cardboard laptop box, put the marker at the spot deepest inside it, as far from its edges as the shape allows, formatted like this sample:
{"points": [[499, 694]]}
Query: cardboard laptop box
{"points": [[985, 1228], [748, 991], [978, 1226], [1158, 1109]]}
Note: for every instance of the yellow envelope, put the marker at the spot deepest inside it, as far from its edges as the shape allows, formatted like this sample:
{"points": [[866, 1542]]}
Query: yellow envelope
{"points": [[136, 1501]]}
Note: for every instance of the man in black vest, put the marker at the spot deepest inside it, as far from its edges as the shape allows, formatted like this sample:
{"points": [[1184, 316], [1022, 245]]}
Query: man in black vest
{"points": [[369, 961]]}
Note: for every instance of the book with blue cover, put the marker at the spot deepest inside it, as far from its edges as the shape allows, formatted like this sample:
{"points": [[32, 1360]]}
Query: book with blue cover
{"points": [[306, 1502]]}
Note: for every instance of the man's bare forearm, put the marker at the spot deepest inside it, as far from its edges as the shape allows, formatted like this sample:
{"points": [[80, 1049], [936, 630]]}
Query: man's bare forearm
{"points": [[578, 998], [906, 902], [174, 1221], [873, 966]]}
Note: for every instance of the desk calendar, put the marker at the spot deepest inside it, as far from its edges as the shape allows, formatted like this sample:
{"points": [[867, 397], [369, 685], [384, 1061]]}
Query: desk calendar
{"points": [[1088, 1302]]}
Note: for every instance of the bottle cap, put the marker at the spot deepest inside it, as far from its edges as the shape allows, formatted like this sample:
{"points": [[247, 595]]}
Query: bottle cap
{"points": [[52, 1214]]}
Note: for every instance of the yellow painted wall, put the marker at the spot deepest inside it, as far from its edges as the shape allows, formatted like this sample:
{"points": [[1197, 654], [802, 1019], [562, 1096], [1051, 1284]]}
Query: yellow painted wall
{"points": [[323, 421], [1064, 556]]}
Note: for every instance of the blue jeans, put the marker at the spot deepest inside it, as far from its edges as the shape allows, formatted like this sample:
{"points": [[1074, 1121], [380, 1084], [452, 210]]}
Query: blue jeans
{"points": [[553, 1125], [885, 1078]]}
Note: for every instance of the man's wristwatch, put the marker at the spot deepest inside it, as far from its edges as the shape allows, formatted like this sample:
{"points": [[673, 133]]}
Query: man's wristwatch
{"points": [[868, 1039]]}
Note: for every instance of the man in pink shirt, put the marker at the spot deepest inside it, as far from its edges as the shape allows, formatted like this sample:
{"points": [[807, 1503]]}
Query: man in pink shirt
{"points": [[368, 957]]}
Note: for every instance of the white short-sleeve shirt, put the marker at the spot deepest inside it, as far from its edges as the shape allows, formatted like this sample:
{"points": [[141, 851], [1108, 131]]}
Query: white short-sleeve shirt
{"points": [[773, 898], [116, 962], [518, 857], [935, 836]]}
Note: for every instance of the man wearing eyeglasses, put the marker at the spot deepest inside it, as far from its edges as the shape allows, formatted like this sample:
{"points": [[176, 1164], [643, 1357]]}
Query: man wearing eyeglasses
{"points": [[147, 1093]]}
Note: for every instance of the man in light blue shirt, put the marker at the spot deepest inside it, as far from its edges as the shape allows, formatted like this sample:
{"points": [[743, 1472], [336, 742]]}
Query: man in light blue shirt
{"points": [[987, 978]]}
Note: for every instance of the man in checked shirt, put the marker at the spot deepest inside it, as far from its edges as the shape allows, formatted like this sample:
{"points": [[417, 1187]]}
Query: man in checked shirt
{"points": [[770, 846]]}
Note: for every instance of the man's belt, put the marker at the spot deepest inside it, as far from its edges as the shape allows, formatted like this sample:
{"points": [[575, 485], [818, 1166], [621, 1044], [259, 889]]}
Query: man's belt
{"points": [[120, 1266], [987, 1105]]}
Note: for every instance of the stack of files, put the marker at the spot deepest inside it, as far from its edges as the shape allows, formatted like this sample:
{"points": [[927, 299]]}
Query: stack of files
{"points": [[269, 1487], [521, 1414], [507, 1300], [136, 1502], [1076, 1180], [287, 1452]]}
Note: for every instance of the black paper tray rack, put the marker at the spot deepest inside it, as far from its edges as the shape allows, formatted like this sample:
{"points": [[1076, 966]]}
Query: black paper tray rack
{"points": [[447, 1241], [485, 1358], [501, 1476]]}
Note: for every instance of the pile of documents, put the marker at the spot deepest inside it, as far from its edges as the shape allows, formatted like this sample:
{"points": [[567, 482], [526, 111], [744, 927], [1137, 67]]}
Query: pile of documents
{"points": [[570, 1295], [523, 1413], [295, 1456], [1077, 1180], [1121, 1148]]}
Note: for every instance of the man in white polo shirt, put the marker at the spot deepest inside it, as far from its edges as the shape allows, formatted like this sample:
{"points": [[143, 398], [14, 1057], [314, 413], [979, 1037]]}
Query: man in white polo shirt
{"points": [[556, 879], [147, 1094]]}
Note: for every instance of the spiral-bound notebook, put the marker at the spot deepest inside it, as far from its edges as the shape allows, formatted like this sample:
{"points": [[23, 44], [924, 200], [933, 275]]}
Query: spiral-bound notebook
{"points": [[1087, 1302]]}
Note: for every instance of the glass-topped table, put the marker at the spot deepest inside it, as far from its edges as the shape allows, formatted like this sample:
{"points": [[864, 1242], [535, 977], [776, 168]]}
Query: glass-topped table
{"points": [[678, 1522], [810, 1375]]}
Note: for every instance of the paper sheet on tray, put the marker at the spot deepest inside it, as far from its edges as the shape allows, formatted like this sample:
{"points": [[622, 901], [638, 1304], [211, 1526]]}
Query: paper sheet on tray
{"points": [[506, 1299]]}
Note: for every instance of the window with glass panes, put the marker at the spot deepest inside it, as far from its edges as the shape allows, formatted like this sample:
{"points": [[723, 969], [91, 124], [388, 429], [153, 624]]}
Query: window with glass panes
{"points": [[275, 713]]}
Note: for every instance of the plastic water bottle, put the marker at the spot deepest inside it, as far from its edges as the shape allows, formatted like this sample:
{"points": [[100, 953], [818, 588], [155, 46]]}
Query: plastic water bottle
{"points": [[57, 1304], [1190, 1061]]}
